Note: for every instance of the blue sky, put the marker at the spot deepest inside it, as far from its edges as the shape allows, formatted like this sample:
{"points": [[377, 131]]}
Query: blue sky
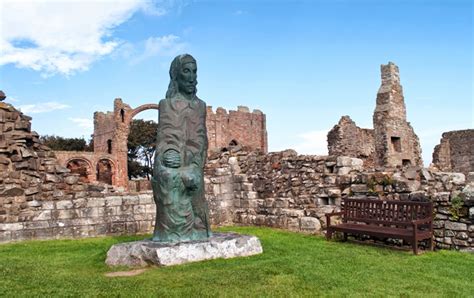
{"points": [[303, 63]]}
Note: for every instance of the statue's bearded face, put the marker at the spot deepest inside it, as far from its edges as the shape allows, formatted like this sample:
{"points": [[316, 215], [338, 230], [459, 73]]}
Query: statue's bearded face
{"points": [[187, 78]]}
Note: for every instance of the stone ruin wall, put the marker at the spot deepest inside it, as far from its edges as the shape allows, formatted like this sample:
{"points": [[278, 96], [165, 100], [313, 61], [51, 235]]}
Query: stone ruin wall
{"points": [[247, 129], [281, 190], [396, 143], [104, 126], [455, 152], [40, 199], [347, 139], [392, 143], [293, 192], [226, 130]]}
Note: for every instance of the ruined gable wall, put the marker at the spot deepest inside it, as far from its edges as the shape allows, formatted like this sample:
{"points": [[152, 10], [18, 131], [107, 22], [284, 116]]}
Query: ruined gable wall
{"points": [[396, 143], [347, 139], [245, 127], [455, 151]]}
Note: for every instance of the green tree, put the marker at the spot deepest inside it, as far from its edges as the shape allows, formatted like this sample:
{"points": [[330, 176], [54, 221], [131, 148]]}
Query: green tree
{"points": [[66, 144], [141, 148]]}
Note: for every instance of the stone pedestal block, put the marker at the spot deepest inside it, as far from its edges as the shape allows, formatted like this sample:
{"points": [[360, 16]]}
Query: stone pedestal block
{"points": [[147, 252]]}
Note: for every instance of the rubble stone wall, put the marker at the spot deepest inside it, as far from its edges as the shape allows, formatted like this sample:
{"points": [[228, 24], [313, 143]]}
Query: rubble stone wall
{"points": [[455, 151], [290, 191], [396, 143], [393, 142], [347, 139]]}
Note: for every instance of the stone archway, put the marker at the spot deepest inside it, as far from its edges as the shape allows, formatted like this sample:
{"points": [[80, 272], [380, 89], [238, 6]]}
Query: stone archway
{"points": [[124, 118], [81, 166], [105, 171]]}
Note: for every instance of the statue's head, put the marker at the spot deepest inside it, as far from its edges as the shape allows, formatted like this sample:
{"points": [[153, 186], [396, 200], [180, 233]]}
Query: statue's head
{"points": [[183, 77]]}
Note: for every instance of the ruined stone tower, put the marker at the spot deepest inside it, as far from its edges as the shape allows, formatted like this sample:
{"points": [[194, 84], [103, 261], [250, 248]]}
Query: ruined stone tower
{"points": [[392, 142], [396, 143]]}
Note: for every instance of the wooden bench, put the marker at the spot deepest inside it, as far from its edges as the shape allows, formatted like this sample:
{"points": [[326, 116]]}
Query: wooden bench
{"points": [[410, 221]]}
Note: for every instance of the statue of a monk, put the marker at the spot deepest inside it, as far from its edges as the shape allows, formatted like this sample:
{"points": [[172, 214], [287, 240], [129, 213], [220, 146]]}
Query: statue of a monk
{"points": [[182, 213]]}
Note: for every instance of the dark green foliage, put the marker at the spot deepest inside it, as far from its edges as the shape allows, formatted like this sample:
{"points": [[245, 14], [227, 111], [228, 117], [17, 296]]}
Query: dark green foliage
{"points": [[456, 206], [292, 265], [67, 144], [141, 148]]}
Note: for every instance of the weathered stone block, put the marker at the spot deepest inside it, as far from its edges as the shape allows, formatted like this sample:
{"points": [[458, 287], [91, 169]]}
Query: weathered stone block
{"points": [[310, 224], [43, 215], [146, 198], [359, 188], [344, 171], [11, 227], [64, 205], [145, 253], [95, 202], [73, 179], [35, 204], [442, 196], [462, 236], [460, 242], [130, 200], [281, 203], [455, 226], [334, 192]]}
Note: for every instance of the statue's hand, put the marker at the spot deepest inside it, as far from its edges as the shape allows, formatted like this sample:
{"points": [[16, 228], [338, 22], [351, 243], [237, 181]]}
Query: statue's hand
{"points": [[190, 181], [171, 159]]}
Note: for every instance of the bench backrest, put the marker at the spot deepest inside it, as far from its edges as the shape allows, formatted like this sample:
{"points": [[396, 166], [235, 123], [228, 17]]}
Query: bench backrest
{"points": [[385, 212]]}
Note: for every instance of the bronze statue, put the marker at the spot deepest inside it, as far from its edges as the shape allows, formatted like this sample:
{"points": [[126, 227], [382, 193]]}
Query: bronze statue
{"points": [[182, 213]]}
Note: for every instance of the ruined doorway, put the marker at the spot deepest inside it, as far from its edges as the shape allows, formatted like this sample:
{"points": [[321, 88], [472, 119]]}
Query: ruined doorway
{"points": [[81, 167], [104, 171], [141, 144]]}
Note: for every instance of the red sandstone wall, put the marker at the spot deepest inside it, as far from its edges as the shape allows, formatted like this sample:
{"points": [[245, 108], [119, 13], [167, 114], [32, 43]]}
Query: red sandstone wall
{"points": [[245, 127]]}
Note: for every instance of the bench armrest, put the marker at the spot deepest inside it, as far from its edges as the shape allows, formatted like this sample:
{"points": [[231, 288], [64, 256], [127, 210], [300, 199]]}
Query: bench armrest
{"points": [[329, 215], [421, 221], [333, 214]]}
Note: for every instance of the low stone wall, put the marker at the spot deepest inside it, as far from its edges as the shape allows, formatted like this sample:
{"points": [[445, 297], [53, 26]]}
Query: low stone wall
{"points": [[282, 190], [290, 191], [84, 217]]}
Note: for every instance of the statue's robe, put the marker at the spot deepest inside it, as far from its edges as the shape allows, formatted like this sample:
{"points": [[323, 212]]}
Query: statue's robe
{"points": [[182, 211]]}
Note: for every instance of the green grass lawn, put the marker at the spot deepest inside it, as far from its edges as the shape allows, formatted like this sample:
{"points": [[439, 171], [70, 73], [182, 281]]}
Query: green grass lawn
{"points": [[291, 265]]}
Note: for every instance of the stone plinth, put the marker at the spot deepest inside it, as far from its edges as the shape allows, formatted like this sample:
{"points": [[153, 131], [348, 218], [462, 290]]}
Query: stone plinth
{"points": [[147, 252]]}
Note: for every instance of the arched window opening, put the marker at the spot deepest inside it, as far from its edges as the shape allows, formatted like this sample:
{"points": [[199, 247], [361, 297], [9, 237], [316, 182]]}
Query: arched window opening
{"points": [[122, 115], [104, 171], [81, 167], [109, 146]]}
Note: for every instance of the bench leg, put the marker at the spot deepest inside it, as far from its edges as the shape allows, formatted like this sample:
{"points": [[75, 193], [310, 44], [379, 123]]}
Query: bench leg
{"points": [[345, 236], [430, 244], [328, 234], [415, 247]]}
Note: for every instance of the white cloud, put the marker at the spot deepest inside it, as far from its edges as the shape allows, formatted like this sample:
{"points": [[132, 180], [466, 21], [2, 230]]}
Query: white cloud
{"points": [[240, 12], [313, 143], [63, 36], [42, 107], [168, 45], [83, 122]]}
